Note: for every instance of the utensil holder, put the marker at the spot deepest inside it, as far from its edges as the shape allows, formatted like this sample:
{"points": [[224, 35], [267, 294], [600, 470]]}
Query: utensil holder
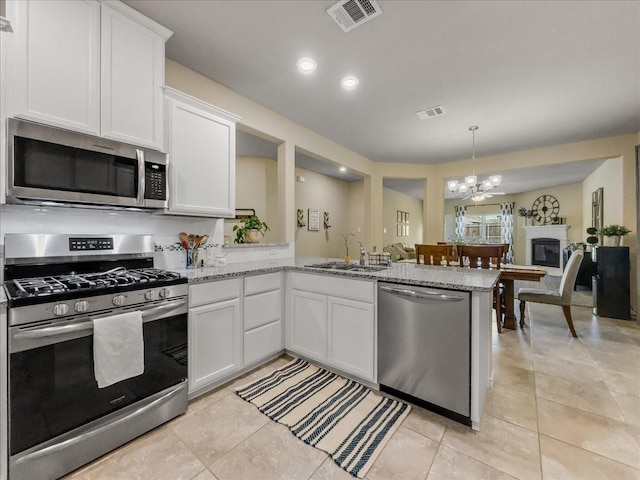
{"points": [[193, 258]]}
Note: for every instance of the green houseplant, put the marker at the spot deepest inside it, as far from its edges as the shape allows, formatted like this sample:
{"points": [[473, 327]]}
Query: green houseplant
{"points": [[249, 230], [613, 234], [527, 214]]}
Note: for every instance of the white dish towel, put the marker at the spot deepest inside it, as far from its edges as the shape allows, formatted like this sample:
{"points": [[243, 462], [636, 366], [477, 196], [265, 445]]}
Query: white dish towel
{"points": [[118, 348]]}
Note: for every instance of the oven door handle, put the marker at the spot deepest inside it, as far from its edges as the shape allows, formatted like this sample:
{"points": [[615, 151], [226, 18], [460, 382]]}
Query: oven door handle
{"points": [[148, 314]]}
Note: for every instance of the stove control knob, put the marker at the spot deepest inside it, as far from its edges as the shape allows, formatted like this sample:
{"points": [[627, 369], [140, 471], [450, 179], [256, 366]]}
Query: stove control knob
{"points": [[118, 300], [81, 306], [60, 309], [164, 292], [149, 294]]}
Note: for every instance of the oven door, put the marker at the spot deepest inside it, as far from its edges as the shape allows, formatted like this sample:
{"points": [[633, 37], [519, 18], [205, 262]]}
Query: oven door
{"points": [[52, 386]]}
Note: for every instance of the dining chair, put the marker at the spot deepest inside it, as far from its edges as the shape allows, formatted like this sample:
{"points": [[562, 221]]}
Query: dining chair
{"points": [[487, 257], [433, 254], [505, 249], [561, 297], [481, 256]]}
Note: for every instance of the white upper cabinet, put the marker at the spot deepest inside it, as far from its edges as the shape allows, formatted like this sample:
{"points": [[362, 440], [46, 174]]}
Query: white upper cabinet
{"points": [[56, 63], [89, 66], [201, 142], [132, 77]]}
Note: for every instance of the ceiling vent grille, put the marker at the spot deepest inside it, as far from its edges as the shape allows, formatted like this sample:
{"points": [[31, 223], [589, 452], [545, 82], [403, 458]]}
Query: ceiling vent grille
{"points": [[430, 112], [349, 14]]}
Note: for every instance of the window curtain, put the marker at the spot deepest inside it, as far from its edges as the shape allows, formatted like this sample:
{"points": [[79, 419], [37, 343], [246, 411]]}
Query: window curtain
{"points": [[461, 210], [506, 224]]}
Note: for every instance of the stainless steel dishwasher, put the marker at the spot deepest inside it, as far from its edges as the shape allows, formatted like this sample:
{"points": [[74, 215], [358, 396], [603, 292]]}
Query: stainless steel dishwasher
{"points": [[424, 347]]}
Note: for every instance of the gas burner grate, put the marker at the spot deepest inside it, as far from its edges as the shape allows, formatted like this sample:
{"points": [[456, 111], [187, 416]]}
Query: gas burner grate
{"points": [[118, 277]]}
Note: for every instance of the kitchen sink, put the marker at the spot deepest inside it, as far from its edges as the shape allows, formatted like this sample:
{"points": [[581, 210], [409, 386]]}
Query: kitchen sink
{"points": [[351, 267]]}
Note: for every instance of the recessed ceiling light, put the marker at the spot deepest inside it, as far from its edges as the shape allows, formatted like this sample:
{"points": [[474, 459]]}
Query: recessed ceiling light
{"points": [[350, 82], [343, 169], [306, 65]]}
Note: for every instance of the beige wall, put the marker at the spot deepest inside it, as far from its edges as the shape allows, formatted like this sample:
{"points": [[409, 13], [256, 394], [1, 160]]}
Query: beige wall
{"points": [[609, 177], [326, 194], [257, 188], [356, 210], [392, 202]]}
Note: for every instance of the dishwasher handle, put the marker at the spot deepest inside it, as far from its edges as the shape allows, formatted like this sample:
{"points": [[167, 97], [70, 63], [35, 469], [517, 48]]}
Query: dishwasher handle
{"points": [[422, 294]]}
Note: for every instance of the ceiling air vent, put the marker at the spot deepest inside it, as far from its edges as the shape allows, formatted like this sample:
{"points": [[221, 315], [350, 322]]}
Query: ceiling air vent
{"points": [[350, 14], [430, 112]]}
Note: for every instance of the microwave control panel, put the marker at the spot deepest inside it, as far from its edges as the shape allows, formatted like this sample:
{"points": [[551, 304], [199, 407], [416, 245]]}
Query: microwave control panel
{"points": [[155, 177]]}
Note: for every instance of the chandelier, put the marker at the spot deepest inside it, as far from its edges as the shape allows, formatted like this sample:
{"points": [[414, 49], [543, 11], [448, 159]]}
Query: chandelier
{"points": [[470, 187]]}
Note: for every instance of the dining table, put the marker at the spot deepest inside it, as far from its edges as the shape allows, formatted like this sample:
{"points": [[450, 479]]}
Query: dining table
{"points": [[509, 273]]}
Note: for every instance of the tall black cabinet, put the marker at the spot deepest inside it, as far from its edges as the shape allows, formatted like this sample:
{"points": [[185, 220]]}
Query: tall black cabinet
{"points": [[611, 288]]}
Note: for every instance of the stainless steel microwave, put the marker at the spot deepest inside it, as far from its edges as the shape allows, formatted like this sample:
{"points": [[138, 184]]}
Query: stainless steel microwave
{"points": [[48, 164]]}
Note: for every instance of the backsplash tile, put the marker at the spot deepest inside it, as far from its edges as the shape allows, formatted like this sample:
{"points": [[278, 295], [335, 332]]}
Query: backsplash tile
{"points": [[164, 228]]}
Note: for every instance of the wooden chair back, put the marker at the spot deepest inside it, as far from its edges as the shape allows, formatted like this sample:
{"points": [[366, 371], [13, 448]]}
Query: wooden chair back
{"points": [[481, 256], [433, 254], [505, 249]]}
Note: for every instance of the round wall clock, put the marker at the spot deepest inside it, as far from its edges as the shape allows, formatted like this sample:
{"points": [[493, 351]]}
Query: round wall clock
{"points": [[544, 208]]}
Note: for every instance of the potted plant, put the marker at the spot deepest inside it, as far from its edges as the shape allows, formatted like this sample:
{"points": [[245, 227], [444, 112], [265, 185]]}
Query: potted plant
{"points": [[250, 229], [527, 214], [613, 234]]}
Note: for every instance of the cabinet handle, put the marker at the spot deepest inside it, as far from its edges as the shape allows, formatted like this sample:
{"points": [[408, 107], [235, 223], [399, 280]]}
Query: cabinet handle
{"points": [[141, 179]]}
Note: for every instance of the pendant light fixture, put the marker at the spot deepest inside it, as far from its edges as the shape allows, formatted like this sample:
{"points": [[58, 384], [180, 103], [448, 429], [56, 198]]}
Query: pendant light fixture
{"points": [[470, 187]]}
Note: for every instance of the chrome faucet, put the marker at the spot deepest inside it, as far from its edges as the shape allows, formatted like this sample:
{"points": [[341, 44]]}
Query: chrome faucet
{"points": [[362, 254]]}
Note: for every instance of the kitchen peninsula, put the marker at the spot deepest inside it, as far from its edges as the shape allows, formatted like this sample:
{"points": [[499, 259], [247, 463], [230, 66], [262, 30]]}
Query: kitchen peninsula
{"points": [[259, 309]]}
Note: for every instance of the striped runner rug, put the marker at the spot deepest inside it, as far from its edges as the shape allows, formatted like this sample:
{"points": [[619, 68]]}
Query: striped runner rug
{"points": [[336, 415]]}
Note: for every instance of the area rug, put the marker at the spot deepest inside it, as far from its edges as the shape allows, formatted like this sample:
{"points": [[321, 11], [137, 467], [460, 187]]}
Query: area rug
{"points": [[338, 416]]}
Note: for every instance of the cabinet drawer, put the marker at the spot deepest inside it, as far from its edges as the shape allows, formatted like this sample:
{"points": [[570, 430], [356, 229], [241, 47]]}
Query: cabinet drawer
{"points": [[209, 292], [335, 286], [262, 342], [261, 283], [262, 308]]}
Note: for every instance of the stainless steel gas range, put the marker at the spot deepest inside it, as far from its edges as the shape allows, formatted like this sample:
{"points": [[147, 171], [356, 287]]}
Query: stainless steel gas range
{"points": [[59, 288]]}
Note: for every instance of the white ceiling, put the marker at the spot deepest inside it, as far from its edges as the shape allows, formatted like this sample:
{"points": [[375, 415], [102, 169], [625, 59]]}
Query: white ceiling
{"points": [[529, 74]]}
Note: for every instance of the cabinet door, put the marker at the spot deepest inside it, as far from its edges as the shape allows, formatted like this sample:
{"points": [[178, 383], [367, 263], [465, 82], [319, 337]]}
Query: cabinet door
{"points": [[215, 342], [56, 63], [201, 161], [262, 342], [308, 326], [132, 76], [351, 345]]}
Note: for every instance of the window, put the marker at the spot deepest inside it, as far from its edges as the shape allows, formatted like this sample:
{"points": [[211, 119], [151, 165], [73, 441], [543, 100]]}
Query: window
{"points": [[485, 228]]}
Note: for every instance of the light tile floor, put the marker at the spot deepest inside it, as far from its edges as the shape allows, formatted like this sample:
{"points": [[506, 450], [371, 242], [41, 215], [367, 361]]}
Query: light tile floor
{"points": [[561, 409]]}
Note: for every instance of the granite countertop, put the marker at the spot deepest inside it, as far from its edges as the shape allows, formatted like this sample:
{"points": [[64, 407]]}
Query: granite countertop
{"points": [[455, 278]]}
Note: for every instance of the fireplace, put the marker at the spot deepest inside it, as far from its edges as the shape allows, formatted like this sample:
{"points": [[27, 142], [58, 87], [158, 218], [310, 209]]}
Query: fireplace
{"points": [[545, 252]]}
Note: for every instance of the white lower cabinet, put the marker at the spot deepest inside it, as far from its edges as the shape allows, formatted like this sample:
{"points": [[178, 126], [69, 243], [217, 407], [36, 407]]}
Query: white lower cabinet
{"points": [[336, 331], [308, 324], [262, 317], [351, 336], [236, 324], [215, 332]]}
